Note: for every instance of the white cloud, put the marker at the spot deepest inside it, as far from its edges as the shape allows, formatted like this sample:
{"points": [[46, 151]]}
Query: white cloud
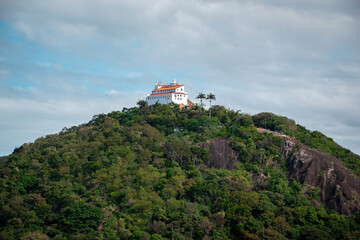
{"points": [[296, 58]]}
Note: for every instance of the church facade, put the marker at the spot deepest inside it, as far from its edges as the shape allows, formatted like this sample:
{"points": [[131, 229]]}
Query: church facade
{"points": [[172, 92]]}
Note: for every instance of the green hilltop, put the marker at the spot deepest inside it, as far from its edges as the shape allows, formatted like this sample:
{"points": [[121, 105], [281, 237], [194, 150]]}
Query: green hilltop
{"points": [[141, 174]]}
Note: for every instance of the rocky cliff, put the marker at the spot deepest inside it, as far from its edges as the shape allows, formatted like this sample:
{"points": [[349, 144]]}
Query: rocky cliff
{"points": [[339, 187], [221, 154]]}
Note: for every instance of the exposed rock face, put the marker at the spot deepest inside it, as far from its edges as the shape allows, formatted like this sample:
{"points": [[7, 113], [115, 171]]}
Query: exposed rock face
{"points": [[221, 153], [340, 188]]}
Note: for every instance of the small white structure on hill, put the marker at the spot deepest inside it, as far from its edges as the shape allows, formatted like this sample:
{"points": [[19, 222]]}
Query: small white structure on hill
{"points": [[173, 92]]}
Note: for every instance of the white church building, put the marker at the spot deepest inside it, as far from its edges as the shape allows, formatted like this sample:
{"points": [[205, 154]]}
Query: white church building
{"points": [[163, 94]]}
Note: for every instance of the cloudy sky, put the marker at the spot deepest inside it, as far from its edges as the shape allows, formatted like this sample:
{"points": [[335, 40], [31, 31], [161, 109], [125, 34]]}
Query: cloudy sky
{"points": [[63, 61]]}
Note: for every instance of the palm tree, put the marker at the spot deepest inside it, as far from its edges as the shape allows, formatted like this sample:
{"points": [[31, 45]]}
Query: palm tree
{"points": [[210, 97], [201, 96]]}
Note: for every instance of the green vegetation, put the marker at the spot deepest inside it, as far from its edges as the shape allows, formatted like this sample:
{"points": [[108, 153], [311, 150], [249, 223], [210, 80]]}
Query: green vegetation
{"points": [[139, 174], [313, 139], [201, 96], [211, 97]]}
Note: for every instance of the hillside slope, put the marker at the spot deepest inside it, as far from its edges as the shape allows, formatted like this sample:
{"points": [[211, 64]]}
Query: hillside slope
{"points": [[144, 173], [339, 187]]}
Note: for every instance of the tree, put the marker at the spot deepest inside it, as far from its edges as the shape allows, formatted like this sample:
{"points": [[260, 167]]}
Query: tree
{"points": [[37, 235], [201, 96], [80, 217], [142, 103], [210, 97]]}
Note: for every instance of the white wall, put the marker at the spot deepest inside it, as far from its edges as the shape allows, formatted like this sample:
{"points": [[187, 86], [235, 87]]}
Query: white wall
{"points": [[180, 98], [162, 99]]}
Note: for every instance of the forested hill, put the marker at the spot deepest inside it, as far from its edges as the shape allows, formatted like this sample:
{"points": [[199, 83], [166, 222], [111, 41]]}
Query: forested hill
{"points": [[144, 173]]}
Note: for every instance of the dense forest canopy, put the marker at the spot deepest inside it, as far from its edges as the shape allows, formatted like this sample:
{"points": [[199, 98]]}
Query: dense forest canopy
{"points": [[140, 174]]}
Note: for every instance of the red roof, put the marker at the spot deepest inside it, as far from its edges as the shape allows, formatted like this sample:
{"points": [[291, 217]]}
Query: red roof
{"points": [[159, 94], [167, 87], [168, 93]]}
